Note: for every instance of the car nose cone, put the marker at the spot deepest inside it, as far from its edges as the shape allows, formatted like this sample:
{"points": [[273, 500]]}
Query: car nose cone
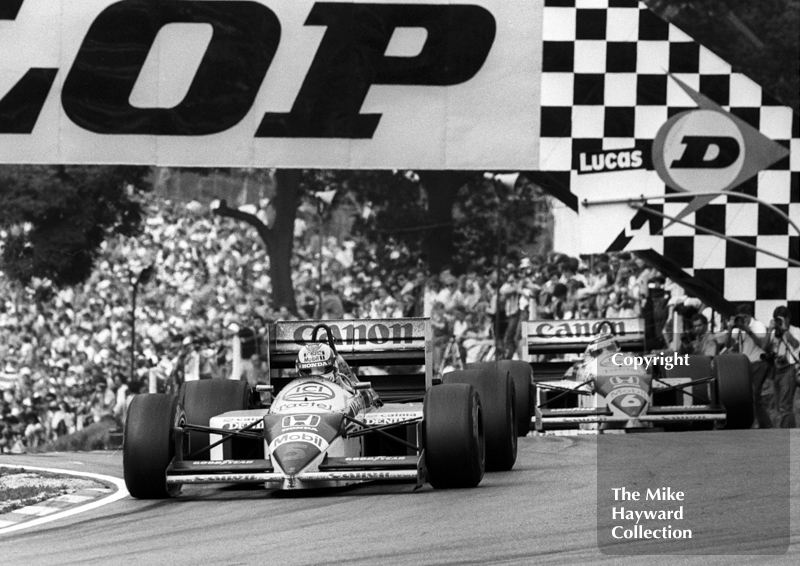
{"points": [[295, 440]]}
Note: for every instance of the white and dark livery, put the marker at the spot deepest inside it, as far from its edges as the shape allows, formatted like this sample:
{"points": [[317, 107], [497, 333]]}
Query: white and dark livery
{"points": [[324, 427], [605, 390]]}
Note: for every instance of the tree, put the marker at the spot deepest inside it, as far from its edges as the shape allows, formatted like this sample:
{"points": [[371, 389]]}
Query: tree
{"points": [[55, 217], [759, 39], [277, 232], [441, 219], [492, 218]]}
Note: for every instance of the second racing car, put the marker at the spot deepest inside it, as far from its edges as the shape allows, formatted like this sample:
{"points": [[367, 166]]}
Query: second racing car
{"points": [[609, 389]]}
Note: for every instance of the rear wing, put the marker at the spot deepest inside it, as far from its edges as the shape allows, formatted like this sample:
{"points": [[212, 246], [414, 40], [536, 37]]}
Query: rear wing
{"points": [[370, 342], [556, 337]]}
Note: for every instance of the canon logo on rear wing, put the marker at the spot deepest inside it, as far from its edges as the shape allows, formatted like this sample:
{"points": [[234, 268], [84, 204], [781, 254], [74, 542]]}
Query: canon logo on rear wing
{"points": [[573, 335], [585, 328], [354, 335], [376, 333]]}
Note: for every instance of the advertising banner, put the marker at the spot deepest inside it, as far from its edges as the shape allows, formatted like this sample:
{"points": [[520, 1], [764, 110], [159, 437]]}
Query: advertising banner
{"points": [[420, 84]]}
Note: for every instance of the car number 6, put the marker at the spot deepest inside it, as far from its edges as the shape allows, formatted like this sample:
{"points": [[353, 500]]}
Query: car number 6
{"points": [[630, 401]]}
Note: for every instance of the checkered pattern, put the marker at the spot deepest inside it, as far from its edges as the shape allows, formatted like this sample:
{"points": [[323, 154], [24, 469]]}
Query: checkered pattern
{"points": [[606, 85]]}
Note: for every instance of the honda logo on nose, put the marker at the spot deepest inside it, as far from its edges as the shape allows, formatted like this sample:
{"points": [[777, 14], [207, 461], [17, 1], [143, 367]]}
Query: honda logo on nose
{"points": [[617, 381], [310, 421]]}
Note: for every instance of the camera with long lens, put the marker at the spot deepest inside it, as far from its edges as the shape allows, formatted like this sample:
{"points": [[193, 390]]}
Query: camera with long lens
{"points": [[782, 362], [779, 321], [768, 357]]}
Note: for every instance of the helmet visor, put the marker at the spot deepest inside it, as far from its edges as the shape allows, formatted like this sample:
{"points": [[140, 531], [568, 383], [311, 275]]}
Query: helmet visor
{"points": [[314, 369]]}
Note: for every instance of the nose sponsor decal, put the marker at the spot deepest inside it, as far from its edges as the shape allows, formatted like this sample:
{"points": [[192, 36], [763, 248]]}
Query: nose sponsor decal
{"points": [[629, 400], [626, 393], [295, 440], [309, 421], [295, 450], [309, 391], [617, 381]]}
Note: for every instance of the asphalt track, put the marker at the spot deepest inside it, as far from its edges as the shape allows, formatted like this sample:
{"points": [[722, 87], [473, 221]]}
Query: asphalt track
{"points": [[544, 511]]}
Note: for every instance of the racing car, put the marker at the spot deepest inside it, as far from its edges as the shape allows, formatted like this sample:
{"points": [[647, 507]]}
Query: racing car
{"points": [[321, 426], [611, 387]]}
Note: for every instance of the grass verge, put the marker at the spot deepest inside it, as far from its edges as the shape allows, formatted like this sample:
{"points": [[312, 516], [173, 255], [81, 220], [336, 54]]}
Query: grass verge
{"points": [[20, 487]]}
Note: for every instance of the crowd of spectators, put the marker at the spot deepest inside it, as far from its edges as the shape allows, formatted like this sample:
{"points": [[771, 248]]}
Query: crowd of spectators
{"points": [[65, 355]]}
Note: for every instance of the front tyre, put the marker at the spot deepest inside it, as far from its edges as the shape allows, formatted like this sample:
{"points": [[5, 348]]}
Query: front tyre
{"points": [[699, 367], [206, 398], [453, 436], [148, 446]]}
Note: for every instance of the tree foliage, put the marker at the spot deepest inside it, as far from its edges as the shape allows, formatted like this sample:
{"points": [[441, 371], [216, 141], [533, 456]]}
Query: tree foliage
{"points": [[760, 39], [397, 229], [276, 229], [54, 218]]}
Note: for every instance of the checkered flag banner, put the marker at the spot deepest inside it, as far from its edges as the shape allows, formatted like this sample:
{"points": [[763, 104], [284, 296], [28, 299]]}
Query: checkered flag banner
{"points": [[634, 108]]}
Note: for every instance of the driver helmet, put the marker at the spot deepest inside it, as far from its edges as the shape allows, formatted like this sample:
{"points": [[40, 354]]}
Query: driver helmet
{"points": [[601, 344], [316, 360]]}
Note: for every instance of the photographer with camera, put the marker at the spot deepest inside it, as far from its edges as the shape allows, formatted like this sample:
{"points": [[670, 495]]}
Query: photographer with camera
{"points": [[747, 336], [699, 340], [781, 352]]}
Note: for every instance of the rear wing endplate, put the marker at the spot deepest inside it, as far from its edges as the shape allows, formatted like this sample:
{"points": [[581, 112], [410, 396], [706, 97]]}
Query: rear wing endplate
{"points": [[572, 336]]}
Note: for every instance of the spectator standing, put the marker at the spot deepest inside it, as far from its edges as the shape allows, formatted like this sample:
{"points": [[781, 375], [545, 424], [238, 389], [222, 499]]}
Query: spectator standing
{"points": [[783, 348], [432, 288], [330, 305], [102, 401], [121, 405], [63, 420], [510, 294], [471, 293], [440, 327], [556, 310], [702, 341], [448, 293], [656, 312]]}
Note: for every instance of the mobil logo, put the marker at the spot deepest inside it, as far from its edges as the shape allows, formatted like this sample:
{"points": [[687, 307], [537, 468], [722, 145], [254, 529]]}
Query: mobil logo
{"points": [[305, 437]]}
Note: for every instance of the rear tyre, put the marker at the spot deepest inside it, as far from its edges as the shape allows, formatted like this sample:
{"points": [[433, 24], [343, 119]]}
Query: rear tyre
{"points": [[522, 375], [454, 441], [148, 446], [734, 390], [207, 398], [496, 392]]}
